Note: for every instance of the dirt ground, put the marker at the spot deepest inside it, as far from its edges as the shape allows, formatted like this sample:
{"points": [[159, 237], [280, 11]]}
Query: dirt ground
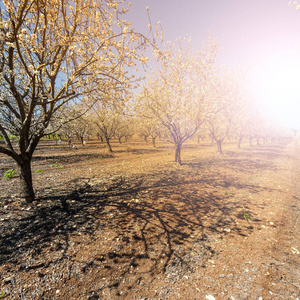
{"points": [[140, 227]]}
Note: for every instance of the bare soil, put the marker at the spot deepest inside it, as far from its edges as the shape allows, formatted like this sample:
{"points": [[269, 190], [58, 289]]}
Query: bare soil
{"points": [[139, 226]]}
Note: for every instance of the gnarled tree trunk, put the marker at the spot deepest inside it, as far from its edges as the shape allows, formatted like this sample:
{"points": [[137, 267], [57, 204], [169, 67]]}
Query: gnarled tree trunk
{"points": [[239, 142], [108, 144], [178, 153], [26, 187], [153, 142], [219, 143]]}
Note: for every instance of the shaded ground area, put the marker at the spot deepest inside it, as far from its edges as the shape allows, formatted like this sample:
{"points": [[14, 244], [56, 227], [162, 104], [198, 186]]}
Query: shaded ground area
{"points": [[136, 226]]}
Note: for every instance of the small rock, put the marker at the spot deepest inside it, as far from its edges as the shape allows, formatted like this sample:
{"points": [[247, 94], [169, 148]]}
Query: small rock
{"points": [[8, 280], [26, 286], [210, 297]]}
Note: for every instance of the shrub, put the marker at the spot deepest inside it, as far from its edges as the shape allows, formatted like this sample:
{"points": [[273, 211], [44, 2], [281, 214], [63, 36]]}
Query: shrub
{"points": [[247, 217], [10, 173]]}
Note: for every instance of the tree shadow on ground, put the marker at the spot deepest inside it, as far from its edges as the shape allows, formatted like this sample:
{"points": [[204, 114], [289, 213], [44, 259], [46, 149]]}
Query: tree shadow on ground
{"points": [[139, 151], [75, 156], [69, 159], [245, 162], [129, 226]]}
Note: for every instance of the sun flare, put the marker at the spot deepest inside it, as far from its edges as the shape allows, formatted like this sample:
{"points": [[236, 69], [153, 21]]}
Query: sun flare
{"points": [[278, 91]]}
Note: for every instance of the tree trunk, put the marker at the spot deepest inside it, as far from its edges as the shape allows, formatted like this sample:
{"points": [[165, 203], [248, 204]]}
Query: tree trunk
{"points": [[81, 141], [239, 142], [26, 187], [108, 144], [145, 139], [69, 142], [178, 154], [153, 142], [120, 141], [219, 143]]}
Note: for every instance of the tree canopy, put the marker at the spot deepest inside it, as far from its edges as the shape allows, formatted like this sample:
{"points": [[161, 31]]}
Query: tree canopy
{"points": [[53, 53]]}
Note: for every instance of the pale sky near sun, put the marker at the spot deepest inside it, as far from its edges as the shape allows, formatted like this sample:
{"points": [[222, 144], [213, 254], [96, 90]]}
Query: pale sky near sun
{"points": [[261, 38]]}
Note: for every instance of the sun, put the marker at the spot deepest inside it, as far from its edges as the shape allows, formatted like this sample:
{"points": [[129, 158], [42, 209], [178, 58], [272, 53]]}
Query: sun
{"points": [[283, 83], [277, 89]]}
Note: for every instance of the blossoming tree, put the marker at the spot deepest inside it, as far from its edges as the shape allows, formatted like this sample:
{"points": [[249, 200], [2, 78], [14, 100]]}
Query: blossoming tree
{"points": [[176, 95], [55, 52], [80, 127], [107, 121], [244, 121], [126, 128], [227, 95]]}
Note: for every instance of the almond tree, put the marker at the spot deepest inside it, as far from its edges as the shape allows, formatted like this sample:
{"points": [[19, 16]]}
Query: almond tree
{"points": [[148, 128], [107, 116], [106, 124], [52, 53], [126, 128], [175, 96], [202, 133], [80, 127], [227, 98], [256, 128], [242, 129], [244, 121]]}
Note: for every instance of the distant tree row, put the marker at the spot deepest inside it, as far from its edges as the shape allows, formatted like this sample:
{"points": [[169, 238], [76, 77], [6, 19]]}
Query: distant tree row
{"points": [[188, 96], [237, 124]]}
